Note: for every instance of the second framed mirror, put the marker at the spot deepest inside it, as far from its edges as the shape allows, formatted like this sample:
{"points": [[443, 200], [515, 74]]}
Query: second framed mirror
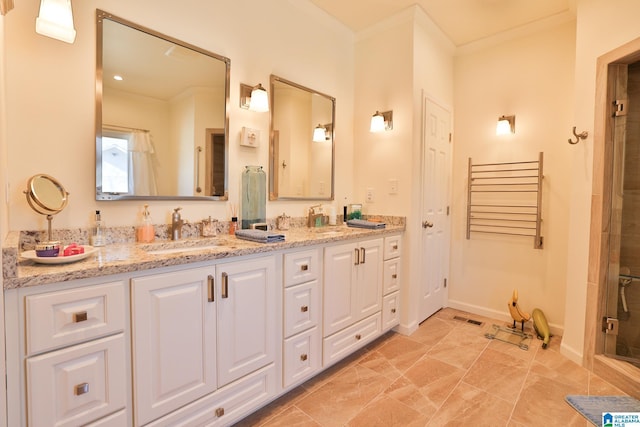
{"points": [[302, 144]]}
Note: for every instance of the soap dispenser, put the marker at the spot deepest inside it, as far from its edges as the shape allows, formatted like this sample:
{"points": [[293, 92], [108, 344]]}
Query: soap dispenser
{"points": [[145, 232]]}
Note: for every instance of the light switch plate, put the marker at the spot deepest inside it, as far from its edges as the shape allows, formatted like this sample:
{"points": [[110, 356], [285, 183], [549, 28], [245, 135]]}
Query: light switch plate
{"points": [[250, 137]]}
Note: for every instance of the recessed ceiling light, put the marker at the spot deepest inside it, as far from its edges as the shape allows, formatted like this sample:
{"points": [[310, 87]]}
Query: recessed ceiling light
{"points": [[118, 78]]}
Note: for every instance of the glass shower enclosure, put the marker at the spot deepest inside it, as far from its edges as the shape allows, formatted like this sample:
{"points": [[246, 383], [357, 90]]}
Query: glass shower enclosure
{"points": [[621, 325]]}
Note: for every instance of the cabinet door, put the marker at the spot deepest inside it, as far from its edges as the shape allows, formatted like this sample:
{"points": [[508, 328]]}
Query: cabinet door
{"points": [[174, 341], [247, 334], [339, 293], [369, 279]]}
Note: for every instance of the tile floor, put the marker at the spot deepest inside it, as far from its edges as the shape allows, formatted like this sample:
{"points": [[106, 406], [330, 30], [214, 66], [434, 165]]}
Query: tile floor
{"points": [[445, 373]]}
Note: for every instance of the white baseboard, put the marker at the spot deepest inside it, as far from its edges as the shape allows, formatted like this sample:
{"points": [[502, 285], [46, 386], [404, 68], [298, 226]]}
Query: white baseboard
{"points": [[571, 353]]}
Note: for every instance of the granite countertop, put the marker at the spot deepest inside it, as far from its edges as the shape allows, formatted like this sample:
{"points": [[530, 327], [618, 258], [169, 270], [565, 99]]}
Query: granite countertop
{"points": [[129, 257]]}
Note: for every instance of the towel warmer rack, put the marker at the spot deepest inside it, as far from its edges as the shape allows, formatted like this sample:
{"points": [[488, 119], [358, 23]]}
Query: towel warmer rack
{"points": [[505, 198]]}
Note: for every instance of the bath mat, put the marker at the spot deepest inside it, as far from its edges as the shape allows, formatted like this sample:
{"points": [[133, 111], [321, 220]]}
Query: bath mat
{"points": [[593, 407]]}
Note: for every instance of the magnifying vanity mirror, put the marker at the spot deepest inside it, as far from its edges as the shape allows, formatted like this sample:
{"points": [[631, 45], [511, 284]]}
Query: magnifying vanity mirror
{"points": [[302, 144], [46, 196], [161, 117]]}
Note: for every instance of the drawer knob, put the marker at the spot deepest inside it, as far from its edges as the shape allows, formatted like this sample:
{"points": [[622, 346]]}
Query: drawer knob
{"points": [[304, 308], [304, 267], [219, 412], [393, 310], [358, 336], [395, 247], [303, 357], [81, 389], [80, 316], [394, 276]]}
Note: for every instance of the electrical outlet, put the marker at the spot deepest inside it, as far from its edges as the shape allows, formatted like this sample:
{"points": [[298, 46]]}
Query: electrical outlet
{"points": [[321, 187], [393, 186], [370, 196]]}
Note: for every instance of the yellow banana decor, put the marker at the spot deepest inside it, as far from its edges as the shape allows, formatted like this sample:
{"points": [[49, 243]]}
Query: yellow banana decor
{"points": [[517, 313], [541, 326]]}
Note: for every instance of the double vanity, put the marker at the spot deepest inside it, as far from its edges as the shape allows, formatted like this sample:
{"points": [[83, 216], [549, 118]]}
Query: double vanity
{"points": [[192, 332]]}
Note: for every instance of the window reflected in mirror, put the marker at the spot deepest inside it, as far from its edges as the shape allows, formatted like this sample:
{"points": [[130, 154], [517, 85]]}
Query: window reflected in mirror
{"points": [[301, 160]]}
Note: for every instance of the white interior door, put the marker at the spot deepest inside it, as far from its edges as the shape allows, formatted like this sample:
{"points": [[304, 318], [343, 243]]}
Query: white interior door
{"points": [[436, 173]]}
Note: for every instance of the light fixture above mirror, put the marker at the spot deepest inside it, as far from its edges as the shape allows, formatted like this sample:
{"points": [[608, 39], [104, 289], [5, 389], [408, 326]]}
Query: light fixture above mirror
{"points": [[322, 133], [55, 20], [254, 98]]}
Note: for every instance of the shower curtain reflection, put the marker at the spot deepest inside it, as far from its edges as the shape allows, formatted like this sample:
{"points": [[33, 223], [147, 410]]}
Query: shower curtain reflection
{"points": [[142, 177]]}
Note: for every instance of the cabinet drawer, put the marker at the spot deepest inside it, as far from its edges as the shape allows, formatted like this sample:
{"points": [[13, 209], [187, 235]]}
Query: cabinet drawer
{"points": [[300, 267], [118, 419], [392, 246], [78, 384], [301, 307], [301, 356], [226, 405], [58, 319], [391, 276], [390, 311], [350, 339]]}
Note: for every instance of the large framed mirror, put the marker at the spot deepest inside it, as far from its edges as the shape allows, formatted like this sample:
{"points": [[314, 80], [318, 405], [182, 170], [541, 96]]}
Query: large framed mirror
{"points": [[302, 146], [162, 125]]}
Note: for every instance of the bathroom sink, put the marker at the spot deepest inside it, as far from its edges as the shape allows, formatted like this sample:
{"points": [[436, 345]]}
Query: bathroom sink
{"points": [[328, 231], [171, 246]]}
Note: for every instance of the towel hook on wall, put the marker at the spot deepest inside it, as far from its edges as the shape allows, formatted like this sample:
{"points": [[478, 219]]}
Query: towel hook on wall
{"points": [[579, 136]]}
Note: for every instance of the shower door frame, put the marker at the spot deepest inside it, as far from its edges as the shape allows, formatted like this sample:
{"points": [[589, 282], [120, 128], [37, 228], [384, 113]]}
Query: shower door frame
{"points": [[619, 373]]}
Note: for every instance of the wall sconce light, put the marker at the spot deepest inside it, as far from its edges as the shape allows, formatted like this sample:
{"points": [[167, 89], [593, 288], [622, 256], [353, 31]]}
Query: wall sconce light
{"points": [[506, 125], [254, 98], [381, 121], [55, 20], [322, 133]]}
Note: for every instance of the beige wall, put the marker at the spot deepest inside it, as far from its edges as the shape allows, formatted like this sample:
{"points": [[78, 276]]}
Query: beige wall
{"points": [[396, 61], [51, 94], [531, 77]]}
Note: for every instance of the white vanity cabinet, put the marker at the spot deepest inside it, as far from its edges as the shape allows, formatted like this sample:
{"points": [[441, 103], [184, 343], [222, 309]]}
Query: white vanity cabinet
{"points": [[174, 340], [302, 355], [74, 354], [391, 282], [197, 334], [352, 297]]}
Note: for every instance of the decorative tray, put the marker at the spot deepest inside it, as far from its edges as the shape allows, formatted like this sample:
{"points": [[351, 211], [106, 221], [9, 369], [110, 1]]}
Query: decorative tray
{"points": [[88, 250]]}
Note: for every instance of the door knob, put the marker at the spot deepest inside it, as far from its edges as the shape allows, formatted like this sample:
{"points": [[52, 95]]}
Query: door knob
{"points": [[427, 224]]}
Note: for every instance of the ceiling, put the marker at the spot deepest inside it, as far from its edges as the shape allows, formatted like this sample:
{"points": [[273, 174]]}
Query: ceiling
{"points": [[463, 21]]}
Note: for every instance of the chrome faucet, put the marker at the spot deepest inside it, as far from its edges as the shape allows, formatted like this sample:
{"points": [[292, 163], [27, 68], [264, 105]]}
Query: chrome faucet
{"points": [[176, 225]]}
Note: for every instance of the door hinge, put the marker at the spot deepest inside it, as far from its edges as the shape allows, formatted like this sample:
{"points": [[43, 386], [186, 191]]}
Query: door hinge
{"points": [[620, 107], [445, 282], [610, 325]]}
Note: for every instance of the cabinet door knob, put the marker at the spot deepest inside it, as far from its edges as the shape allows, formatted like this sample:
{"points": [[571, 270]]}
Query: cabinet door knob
{"points": [[304, 267], [304, 308], [363, 251], [81, 389], [427, 224], [395, 247], [358, 336], [219, 412], [394, 276], [80, 316], [393, 310], [357, 256], [303, 357]]}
